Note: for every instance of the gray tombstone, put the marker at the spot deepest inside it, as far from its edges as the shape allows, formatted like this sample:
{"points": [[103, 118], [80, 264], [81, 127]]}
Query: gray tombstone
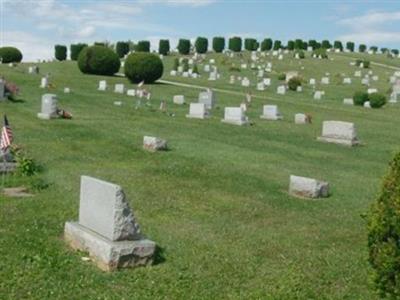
{"points": [[208, 98], [49, 107], [107, 228], [338, 132], [308, 187], [2, 90]]}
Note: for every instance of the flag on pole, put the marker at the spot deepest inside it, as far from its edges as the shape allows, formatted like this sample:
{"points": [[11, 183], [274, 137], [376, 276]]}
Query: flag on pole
{"points": [[141, 83], [6, 135]]}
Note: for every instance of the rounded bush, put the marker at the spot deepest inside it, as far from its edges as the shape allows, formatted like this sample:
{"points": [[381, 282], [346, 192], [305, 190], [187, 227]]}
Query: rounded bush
{"points": [[143, 66], [326, 44], [350, 46], [60, 52], [338, 45], [360, 98], [384, 234], [294, 82], [218, 44], [98, 60], [250, 44], [282, 76], [201, 45], [10, 55], [377, 100]]}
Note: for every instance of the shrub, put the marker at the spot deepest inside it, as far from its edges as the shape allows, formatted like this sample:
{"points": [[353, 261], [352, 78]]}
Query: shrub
{"points": [[235, 44], [201, 45], [218, 44], [360, 98], [395, 51], [184, 46], [362, 48], [75, 49], [163, 47], [377, 100], [294, 82], [60, 52], [250, 44], [176, 64], [373, 49], [266, 45], [10, 55], [338, 45], [313, 44], [383, 221], [320, 52], [277, 45], [185, 65], [234, 69], [122, 48], [365, 63], [350, 46], [290, 45], [282, 76], [98, 60], [384, 50], [326, 44], [195, 69], [143, 66], [301, 54], [143, 46], [298, 44], [100, 44]]}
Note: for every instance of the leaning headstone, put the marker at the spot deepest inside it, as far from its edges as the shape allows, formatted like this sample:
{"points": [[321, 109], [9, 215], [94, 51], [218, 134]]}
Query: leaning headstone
{"points": [[197, 111], [102, 85], [271, 112], [119, 88], [49, 107], [235, 116], [107, 228], [179, 99], [338, 132], [153, 144], [308, 187], [208, 98]]}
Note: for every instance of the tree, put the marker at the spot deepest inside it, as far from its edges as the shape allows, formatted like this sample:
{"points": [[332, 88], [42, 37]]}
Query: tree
{"points": [[362, 48], [184, 46], [290, 45], [75, 49], [326, 44], [313, 44], [235, 44], [250, 44], [122, 48], [218, 44], [395, 51], [338, 45], [373, 49], [201, 45], [163, 47], [298, 44], [277, 45], [60, 52], [266, 45], [350, 46], [143, 46]]}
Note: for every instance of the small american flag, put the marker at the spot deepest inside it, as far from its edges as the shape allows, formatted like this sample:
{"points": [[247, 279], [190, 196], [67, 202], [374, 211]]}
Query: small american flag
{"points": [[6, 135], [141, 83]]}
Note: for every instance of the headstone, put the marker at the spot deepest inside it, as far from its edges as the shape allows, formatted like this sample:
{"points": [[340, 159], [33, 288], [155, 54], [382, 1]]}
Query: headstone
{"points": [[173, 73], [44, 83], [179, 99], [308, 187], [267, 81], [318, 95], [107, 228], [271, 112], [338, 132], [260, 86], [245, 82], [357, 74], [243, 106], [232, 79], [185, 74], [375, 78], [348, 101], [131, 92], [102, 85], [367, 104], [206, 68], [235, 116], [243, 66], [153, 144], [347, 80], [208, 98], [197, 111], [365, 81], [213, 76], [49, 107], [299, 89], [291, 74], [302, 119], [371, 91], [180, 69], [67, 90], [118, 103], [2, 90], [281, 90], [325, 80], [312, 81], [119, 88], [393, 98]]}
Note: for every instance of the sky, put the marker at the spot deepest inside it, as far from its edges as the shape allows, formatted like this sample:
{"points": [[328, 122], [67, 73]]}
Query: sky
{"points": [[35, 26]]}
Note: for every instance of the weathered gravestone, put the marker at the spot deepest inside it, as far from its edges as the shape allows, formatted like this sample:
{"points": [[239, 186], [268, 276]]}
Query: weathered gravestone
{"points": [[235, 116], [197, 111], [281, 90], [179, 99], [308, 187], [338, 132], [102, 85], [347, 80], [302, 119], [107, 228], [153, 144], [131, 92], [271, 112], [208, 98], [119, 88], [49, 107], [44, 83], [325, 80], [348, 101]]}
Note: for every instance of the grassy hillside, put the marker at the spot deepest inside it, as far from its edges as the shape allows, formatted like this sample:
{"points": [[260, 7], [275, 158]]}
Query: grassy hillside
{"points": [[216, 204]]}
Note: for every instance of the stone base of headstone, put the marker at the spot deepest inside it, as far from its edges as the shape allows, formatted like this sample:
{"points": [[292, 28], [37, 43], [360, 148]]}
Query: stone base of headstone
{"points": [[235, 122], [46, 116], [339, 141], [109, 255], [271, 118], [205, 116]]}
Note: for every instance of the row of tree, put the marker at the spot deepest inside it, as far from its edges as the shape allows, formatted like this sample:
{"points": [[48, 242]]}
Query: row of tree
{"points": [[201, 45]]}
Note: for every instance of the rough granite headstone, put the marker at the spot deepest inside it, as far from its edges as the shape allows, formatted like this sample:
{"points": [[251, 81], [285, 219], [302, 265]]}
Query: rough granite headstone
{"points": [[208, 98], [179, 99], [338, 132], [308, 187], [235, 116], [107, 228], [154, 144]]}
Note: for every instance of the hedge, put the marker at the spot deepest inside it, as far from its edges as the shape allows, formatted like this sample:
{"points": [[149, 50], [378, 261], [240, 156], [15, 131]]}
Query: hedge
{"points": [[163, 47], [201, 45], [142, 46], [184, 46], [235, 44], [122, 48], [250, 44], [142, 66], [218, 44], [75, 49], [350, 46], [60, 52], [98, 60]]}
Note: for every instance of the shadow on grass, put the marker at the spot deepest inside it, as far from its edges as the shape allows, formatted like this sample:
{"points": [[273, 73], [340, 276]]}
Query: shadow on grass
{"points": [[16, 100], [159, 256]]}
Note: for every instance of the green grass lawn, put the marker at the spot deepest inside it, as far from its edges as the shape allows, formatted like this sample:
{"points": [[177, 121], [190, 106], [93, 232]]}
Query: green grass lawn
{"points": [[216, 204]]}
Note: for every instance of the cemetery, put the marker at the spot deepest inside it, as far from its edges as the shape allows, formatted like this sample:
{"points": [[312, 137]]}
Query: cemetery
{"points": [[251, 171]]}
